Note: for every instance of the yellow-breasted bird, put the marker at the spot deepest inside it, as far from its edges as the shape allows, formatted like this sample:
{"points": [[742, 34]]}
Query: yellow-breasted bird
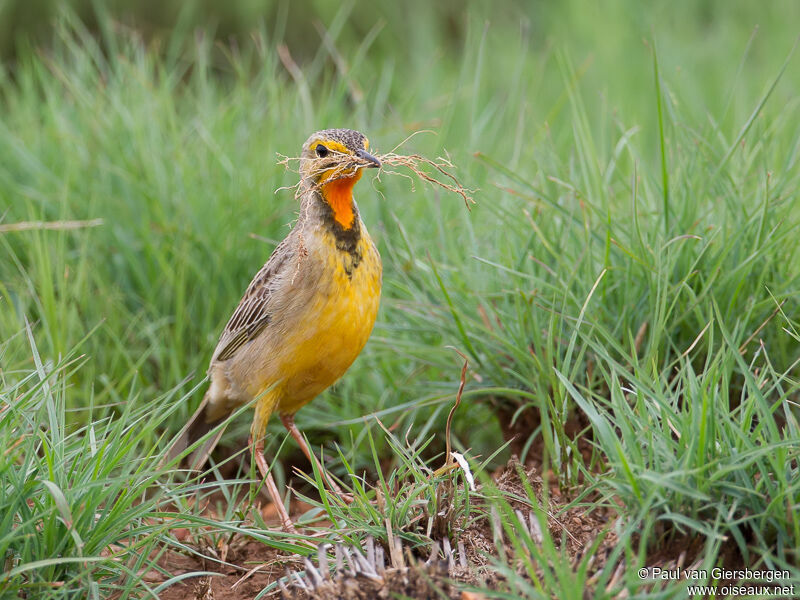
{"points": [[307, 313]]}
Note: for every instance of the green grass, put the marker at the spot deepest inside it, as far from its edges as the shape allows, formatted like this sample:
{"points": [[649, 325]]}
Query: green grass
{"points": [[631, 257], [76, 513]]}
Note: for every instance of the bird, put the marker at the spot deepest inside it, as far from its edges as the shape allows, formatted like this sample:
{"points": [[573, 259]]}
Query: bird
{"points": [[305, 316]]}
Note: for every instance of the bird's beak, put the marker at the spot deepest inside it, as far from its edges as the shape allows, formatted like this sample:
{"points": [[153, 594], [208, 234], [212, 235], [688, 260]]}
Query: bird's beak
{"points": [[373, 162]]}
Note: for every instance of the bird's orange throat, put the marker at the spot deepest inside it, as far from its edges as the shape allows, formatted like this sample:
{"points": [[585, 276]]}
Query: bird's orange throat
{"points": [[339, 196]]}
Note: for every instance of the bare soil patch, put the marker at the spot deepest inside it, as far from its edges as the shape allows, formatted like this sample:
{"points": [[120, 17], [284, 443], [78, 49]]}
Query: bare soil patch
{"points": [[250, 566]]}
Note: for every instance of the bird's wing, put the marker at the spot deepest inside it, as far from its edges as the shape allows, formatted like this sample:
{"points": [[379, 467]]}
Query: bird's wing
{"points": [[252, 315]]}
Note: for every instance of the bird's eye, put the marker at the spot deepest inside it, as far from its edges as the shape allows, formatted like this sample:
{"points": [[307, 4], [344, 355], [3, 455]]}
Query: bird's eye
{"points": [[321, 151]]}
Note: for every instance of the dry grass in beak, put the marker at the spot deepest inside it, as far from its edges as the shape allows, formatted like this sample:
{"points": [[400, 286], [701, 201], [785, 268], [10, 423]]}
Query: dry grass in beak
{"points": [[440, 175], [340, 165]]}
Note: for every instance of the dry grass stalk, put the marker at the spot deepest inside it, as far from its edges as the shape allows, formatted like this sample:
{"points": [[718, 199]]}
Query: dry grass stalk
{"points": [[439, 171], [442, 166], [48, 225]]}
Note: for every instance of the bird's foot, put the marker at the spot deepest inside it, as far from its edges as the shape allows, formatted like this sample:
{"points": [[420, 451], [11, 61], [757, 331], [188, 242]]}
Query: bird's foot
{"points": [[288, 527]]}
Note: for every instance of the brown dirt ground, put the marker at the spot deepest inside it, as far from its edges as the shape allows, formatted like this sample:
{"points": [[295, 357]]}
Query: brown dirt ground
{"points": [[248, 565], [251, 565]]}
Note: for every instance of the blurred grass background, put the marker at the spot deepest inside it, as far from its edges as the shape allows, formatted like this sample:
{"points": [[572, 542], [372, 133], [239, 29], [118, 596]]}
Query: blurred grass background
{"points": [[174, 145], [631, 256], [165, 120]]}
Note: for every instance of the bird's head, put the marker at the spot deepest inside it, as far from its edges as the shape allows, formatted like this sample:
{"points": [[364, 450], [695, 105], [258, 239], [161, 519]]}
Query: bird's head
{"points": [[334, 154], [331, 162]]}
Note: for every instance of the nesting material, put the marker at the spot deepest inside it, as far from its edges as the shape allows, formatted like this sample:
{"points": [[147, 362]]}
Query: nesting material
{"points": [[437, 171]]}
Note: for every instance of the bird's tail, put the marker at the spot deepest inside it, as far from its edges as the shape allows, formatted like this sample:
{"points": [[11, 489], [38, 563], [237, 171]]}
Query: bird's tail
{"points": [[197, 427]]}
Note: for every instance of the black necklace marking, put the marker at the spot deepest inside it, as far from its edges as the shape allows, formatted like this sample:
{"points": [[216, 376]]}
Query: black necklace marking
{"points": [[346, 239]]}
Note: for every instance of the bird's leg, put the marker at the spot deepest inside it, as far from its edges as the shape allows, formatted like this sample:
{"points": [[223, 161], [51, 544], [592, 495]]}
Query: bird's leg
{"points": [[261, 463], [288, 422]]}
